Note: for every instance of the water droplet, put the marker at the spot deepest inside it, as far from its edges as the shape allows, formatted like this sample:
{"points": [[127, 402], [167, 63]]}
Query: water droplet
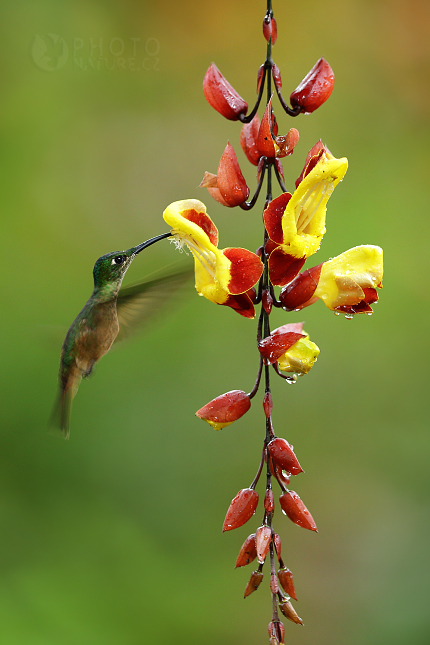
{"points": [[336, 313], [369, 313], [349, 316]]}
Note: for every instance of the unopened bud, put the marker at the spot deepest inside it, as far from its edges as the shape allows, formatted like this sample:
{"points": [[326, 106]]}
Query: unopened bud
{"points": [[294, 508], [222, 96], [248, 552], [267, 301], [286, 579], [254, 582], [269, 503], [241, 509], [279, 341], [314, 89], [282, 453], [231, 182], [268, 404], [289, 612], [225, 409], [263, 537], [248, 140], [265, 144]]}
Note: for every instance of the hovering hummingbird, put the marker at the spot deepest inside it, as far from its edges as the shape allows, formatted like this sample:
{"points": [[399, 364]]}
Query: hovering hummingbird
{"points": [[107, 315]]}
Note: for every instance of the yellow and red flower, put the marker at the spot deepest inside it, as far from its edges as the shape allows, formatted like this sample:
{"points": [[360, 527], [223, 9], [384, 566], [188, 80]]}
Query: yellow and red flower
{"points": [[224, 276], [346, 283], [296, 223]]}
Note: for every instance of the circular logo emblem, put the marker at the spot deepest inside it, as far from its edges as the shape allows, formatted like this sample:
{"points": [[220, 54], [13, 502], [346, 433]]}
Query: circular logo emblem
{"points": [[49, 52]]}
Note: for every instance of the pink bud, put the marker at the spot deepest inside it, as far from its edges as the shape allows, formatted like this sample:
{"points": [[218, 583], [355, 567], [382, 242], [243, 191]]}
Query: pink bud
{"points": [[225, 409], [222, 96], [241, 509], [314, 89], [263, 537], [293, 506]]}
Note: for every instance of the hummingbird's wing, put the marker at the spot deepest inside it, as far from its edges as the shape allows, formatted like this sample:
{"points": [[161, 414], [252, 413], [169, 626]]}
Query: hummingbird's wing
{"points": [[139, 302]]}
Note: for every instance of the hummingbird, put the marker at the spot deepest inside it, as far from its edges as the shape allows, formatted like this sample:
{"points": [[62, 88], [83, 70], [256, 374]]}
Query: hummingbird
{"points": [[107, 315]]}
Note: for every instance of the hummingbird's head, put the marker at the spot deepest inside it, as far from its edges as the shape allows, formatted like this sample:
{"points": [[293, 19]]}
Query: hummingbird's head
{"points": [[110, 269]]}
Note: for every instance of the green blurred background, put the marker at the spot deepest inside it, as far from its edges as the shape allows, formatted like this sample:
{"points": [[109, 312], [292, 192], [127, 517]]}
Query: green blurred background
{"points": [[114, 537]]}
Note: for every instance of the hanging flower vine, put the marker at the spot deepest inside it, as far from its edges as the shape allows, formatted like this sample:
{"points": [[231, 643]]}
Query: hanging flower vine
{"points": [[294, 225]]}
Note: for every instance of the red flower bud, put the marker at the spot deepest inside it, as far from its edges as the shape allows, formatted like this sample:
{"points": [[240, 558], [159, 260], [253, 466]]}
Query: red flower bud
{"points": [[269, 504], [276, 632], [283, 455], [314, 89], [248, 139], [267, 301], [289, 612], [241, 509], [231, 182], [286, 579], [293, 506], [274, 586], [222, 96], [260, 76], [276, 76], [277, 541], [267, 404], [263, 537], [266, 147], [248, 552], [254, 582], [270, 30], [279, 341], [225, 409], [301, 289]]}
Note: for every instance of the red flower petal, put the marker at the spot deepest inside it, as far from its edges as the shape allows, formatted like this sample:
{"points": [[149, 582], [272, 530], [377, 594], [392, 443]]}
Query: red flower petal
{"points": [[312, 159], [283, 455], [293, 506], [247, 552], [242, 304], [241, 509], [301, 289], [279, 341], [222, 96], [245, 269], [283, 267], [231, 182], [248, 140], [204, 221], [273, 217], [315, 88]]}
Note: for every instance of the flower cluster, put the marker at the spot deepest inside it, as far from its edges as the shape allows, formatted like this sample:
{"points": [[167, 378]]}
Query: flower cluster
{"points": [[294, 225]]}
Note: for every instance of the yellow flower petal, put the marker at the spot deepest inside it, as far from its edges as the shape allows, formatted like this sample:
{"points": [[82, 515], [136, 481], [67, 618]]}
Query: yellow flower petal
{"points": [[303, 223]]}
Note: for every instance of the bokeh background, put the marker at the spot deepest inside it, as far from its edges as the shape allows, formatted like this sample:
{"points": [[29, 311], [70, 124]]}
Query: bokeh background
{"points": [[114, 537]]}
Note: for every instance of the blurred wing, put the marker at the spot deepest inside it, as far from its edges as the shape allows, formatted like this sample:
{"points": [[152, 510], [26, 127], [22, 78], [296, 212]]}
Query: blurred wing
{"points": [[139, 302]]}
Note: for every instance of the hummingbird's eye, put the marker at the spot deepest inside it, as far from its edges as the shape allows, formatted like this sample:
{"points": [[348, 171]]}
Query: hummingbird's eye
{"points": [[119, 259]]}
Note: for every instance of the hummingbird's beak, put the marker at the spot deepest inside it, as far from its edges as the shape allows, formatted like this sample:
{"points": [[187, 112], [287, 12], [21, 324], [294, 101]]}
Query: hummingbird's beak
{"points": [[144, 245]]}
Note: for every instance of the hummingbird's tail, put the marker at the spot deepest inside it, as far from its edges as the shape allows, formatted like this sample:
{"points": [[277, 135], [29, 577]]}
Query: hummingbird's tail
{"points": [[60, 417]]}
